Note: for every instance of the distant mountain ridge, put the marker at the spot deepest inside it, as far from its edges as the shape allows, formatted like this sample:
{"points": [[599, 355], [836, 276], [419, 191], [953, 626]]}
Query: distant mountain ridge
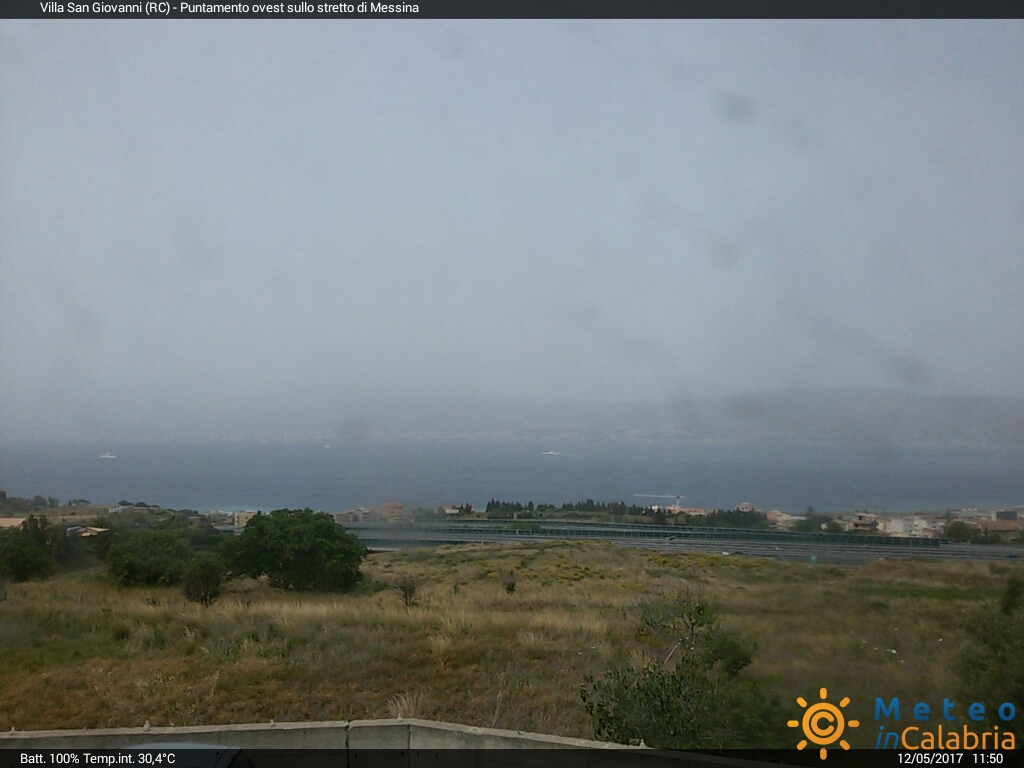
{"points": [[854, 415], [850, 416]]}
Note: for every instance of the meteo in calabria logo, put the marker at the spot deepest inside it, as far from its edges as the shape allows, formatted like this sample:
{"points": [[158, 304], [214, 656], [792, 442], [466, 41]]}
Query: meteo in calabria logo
{"points": [[823, 723]]}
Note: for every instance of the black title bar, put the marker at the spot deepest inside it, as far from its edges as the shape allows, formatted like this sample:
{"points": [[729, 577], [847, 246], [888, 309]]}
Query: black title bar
{"points": [[506, 9]]}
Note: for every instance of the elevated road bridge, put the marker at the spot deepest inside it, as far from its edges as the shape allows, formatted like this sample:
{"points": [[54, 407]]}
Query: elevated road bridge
{"points": [[781, 545]]}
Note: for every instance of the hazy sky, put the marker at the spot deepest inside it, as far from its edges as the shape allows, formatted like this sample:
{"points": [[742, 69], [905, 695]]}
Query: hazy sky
{"points": [[202, 223]]}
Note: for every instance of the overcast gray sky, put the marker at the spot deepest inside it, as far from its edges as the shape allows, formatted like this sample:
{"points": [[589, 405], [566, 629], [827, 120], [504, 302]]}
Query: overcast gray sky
{"points": [[203, 222]]}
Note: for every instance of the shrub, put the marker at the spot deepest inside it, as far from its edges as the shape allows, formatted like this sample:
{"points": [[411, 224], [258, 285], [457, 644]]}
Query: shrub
{"points": [[407, 588], [695, 698], [149, 558], [991, 666], [662, 707], [1013, 595], [510, 582], [202, 580]]}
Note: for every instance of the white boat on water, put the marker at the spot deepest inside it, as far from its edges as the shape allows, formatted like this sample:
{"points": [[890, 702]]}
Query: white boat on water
{"points": [[551, 453], [108, 455]]}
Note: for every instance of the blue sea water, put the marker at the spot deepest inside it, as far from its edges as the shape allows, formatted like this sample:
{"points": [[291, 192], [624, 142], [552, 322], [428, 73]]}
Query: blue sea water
{"points": [[269, 475]]}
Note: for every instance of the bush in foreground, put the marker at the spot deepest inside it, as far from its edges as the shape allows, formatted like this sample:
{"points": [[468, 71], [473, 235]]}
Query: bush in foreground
{"points": [[695, 698], [407, 589], [991, 666], [203, 579]]}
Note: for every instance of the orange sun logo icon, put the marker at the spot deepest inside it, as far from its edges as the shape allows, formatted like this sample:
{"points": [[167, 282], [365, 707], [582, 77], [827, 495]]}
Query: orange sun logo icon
{"points": [[823, 723]]}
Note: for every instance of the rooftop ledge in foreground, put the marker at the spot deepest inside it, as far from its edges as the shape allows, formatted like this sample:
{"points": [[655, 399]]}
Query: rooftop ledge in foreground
{"points": [[398, 734]]}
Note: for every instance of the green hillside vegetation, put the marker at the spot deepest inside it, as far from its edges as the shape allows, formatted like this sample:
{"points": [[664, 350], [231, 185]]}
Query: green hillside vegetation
{"points": [[456, 643]]}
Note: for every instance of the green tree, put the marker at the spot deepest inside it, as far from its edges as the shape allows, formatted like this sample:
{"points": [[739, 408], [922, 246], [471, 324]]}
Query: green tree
{"points": [[695, 697], [149, 557], [203, 578], [299, 550], [202, 536], [38, 549], [22, 558], [958, 532]]}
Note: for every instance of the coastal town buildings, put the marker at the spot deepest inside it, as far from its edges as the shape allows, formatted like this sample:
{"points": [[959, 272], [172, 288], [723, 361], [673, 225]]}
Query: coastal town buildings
{"points": [[390, 512], [242, 518], [862, 522], [1001, 527], [675, 509], [782, 520]]}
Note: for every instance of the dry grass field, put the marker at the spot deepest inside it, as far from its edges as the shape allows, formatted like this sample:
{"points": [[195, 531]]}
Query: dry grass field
{"points": [[79, 652]]}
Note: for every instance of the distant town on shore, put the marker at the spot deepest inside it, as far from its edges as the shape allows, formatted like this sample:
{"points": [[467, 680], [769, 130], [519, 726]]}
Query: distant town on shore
{"points": [[980, 526]]}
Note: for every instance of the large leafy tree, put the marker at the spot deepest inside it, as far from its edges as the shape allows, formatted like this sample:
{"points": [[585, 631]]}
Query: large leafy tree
{"points": [[299, 550], [23, 556], [36, 549]]}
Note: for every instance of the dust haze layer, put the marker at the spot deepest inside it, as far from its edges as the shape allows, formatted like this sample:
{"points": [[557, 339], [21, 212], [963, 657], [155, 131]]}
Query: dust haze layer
{"points": [[222, 229]]}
